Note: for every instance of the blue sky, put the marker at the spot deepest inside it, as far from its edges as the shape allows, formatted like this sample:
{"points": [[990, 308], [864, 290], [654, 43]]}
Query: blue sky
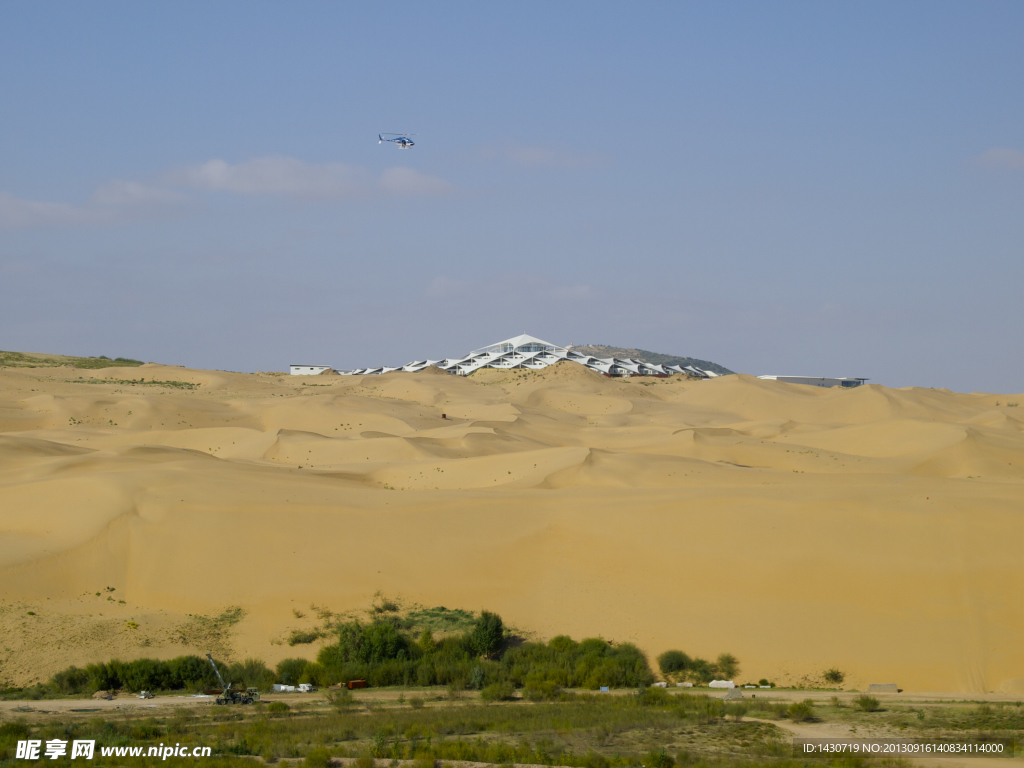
{"points": [[809, 188]]}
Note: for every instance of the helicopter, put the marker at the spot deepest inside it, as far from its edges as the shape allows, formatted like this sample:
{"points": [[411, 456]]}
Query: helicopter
{"points": [[401, 139]]}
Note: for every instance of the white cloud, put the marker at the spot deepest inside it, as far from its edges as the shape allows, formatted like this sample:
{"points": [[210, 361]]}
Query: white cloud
{"points": [[114, 202], [537, 156], [118, 201], [408, 181], [295, 178], [117, 193], [273, 176], [16, 213], [1002, 159]]}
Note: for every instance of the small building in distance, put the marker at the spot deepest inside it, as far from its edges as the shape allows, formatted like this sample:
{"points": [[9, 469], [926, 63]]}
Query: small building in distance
{"points": [[309, 370], [819, 381]]}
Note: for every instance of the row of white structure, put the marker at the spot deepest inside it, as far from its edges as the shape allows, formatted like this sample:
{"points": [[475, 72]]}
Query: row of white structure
{"points": [[523, 352]]}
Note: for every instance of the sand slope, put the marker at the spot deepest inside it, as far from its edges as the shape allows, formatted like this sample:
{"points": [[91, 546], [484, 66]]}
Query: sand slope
{"points": [[873, 529]]}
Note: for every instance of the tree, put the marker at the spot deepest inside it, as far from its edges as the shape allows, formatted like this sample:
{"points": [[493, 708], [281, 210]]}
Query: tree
{"points": [[427, 643], [673, 662], [488, 634], [728, 666], [702, 670], [381, 642]]}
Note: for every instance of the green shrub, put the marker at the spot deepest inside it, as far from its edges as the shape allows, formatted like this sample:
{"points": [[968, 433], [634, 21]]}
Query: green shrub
{"points": [[834, 676], [416, 702], [455, 689], [545, 690], [659, 759], [71, 681], [341, 699], [317, 758], [10, 733], [737, 710], [183, 672], [498, 692], [488, 634], [426, 641], [702, 670], [278, 708], [562, 644], [673, 662], [300, 637], [291, 671], [365, 762], [866, 703], [652, 697], [476, 679], [315, 674], [727, 666], [251, 673], [800, 711]]}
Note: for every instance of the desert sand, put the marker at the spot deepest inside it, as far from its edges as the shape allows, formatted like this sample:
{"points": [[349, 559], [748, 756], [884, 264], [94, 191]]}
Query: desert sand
{"points": [[880, 531]]}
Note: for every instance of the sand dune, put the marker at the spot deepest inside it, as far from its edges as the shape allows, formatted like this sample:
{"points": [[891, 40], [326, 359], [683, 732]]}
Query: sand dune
{"points": [[873, 529]]}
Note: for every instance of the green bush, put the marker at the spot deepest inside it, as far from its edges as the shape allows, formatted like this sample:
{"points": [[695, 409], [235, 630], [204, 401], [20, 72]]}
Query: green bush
{"points": [[673, 662], [384, 655], [278, 708], [659, 759], [183, 672], [834, 676], [71, 681], [800, 711], [11, 733], [545, 690], [866, 703], [426, 642], [341, 699], [300, 637], [498, 692], [702, 670], [291, 671], [317, 758], [737, 710], [488, 634], [656, 697], [562, 644], [727, 666], [251, 673]]}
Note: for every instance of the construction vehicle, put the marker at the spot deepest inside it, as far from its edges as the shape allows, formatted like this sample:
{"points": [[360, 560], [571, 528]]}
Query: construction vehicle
{"points": [[233, 697]]}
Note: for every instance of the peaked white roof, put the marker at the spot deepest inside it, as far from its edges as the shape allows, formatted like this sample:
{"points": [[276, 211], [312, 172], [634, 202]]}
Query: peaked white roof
{"points": [[525, 351], [521, 340]]}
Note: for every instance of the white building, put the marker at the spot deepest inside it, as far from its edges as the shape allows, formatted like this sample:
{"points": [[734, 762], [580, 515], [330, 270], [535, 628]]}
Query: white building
{"points": [[531, 353], [309, 370], [816, 381]]}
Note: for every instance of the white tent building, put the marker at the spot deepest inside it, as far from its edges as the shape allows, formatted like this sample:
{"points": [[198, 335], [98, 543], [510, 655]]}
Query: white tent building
{"points": [[819, 381], [531, 353]]}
